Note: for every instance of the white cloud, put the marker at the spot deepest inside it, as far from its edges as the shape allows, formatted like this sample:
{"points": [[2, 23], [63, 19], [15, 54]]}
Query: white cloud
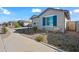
{"points": [[18, 19], [76, 11], [36, 10], [4, 11]]}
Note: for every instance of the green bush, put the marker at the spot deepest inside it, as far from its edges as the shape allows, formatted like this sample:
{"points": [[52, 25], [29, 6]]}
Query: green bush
{"points": [[39, 38], [35, 29], [17, 25]]}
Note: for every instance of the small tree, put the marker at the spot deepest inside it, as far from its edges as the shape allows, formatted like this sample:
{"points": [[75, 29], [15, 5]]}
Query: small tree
{"points": [[17, 25]]}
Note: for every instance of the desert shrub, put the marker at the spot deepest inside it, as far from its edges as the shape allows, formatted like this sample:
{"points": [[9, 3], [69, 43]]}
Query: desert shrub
{"points": [[39, 38], [35, 29], [4, 30]]}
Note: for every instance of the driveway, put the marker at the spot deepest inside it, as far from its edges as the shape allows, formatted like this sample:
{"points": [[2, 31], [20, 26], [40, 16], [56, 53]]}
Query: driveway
{"points": [[18, 43]]}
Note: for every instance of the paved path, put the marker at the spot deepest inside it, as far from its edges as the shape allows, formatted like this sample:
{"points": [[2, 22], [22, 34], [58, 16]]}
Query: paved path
{"points": [[18, 43]]}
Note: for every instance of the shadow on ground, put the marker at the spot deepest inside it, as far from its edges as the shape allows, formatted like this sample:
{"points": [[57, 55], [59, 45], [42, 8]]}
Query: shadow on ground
{"points": [[24, 31], [28, 31]]}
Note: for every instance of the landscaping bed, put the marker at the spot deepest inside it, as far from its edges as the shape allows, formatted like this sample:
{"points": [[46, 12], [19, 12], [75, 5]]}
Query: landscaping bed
{"points": [[5, 33], [68, 41]]}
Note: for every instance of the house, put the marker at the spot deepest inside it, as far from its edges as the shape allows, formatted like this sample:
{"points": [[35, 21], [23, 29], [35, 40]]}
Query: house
{"points": [[11, 24], [24, 23], [51, 19]]}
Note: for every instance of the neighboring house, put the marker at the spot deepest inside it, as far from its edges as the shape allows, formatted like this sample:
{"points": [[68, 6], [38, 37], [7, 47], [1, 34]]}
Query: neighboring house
{"points": [[4, 24], [51, 19], [11, 24], [24, 23], [1, 29]]}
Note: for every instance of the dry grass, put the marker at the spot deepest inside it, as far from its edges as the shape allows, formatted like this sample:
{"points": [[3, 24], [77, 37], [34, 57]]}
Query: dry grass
{"points": [[68, 41]]}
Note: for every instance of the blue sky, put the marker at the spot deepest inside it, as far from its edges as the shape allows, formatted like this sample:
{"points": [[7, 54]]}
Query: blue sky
{"points": [[24, 13]]}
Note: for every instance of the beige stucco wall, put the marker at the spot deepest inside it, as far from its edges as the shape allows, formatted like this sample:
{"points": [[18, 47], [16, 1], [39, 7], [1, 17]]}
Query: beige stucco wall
{"points": [[66, 23], [60, 20]]}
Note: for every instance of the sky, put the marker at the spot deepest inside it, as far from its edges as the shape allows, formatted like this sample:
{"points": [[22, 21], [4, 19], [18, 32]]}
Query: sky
{"points": [[24, 13]]}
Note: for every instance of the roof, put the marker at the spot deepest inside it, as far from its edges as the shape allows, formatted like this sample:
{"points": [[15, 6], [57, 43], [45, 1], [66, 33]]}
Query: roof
{"points": [[34, 16], [66, 13]]}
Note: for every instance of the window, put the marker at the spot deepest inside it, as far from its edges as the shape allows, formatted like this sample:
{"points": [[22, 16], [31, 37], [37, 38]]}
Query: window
{"points": [[34, 23], [50, 21], [43, 21]]}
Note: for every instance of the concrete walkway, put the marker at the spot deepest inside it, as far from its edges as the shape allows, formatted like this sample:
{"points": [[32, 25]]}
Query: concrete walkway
{"points": [[1, 45], [18, 43]]}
